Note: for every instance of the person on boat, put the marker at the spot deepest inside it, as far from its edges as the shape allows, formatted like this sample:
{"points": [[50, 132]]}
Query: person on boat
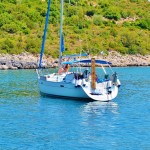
{"points": [[64, 69], [61, 70]]}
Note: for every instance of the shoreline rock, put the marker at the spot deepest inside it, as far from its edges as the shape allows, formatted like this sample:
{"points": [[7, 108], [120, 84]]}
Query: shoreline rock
{"points": [[30, 61]]}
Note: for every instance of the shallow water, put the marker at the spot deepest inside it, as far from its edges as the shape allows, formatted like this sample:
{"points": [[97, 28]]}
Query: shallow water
{"points": [[30, 121]]}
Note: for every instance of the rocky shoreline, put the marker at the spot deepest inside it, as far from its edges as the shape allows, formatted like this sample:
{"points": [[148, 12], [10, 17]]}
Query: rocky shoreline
{"points": [[30, 61]]}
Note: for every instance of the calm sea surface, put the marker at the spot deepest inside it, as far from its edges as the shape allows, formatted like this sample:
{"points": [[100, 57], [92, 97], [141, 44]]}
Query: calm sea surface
{"points": [[29, 121]]}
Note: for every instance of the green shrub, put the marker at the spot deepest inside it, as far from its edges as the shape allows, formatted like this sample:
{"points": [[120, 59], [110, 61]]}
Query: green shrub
{"points": [[7, 46], [112, 13], [124, 14], [144, 23], [113, 32], [2, 8], [5, 18], [31, 44], [127, 24], [104, 4], [133, 0], [97, 20], [33, 15], [71, 10], [122, 50], [25, 29], [128, 39], [133, 49], [90, 13], [12, 1], [112, 45], [10, 28]]}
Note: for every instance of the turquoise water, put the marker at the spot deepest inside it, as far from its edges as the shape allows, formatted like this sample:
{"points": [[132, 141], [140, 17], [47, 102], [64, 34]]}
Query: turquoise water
{"points": [[29, 121]]}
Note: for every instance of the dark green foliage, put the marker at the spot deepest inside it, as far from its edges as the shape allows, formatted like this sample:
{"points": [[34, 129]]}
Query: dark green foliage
{"points": [[71, 10], [145, 23], [92, 26], [112, 14], [124, 14], [2, 8], [10, 28], [72, 2], [7, 46], [90, 13], [13, 1], [133, 0]]}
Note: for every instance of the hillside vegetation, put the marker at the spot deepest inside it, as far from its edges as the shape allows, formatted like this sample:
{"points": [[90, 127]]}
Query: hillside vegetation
{"points": [[89, 26]]}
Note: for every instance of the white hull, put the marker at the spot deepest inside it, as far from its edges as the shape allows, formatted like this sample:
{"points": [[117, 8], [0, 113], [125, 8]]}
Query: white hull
{"points": [[61, 89], [65, 89]]}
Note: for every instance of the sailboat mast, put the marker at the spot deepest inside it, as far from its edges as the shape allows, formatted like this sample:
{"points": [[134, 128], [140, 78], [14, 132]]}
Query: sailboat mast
{"points": [[44, 35], [61, 31]]}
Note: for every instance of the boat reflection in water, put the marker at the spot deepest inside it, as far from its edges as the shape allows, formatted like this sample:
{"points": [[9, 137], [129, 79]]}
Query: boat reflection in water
{"points": [[100, 108]]}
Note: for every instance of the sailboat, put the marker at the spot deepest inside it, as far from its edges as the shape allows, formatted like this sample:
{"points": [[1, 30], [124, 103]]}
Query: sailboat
{"points": [[73, 80]]}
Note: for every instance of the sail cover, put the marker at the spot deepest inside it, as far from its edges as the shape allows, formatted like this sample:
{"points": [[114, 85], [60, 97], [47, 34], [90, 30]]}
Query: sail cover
{"points": [[88, 61], [62, 43], [96, 61]]}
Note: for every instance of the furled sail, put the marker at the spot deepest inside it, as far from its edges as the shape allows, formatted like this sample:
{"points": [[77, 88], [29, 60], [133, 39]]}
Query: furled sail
{"points": [[62, 43]]}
